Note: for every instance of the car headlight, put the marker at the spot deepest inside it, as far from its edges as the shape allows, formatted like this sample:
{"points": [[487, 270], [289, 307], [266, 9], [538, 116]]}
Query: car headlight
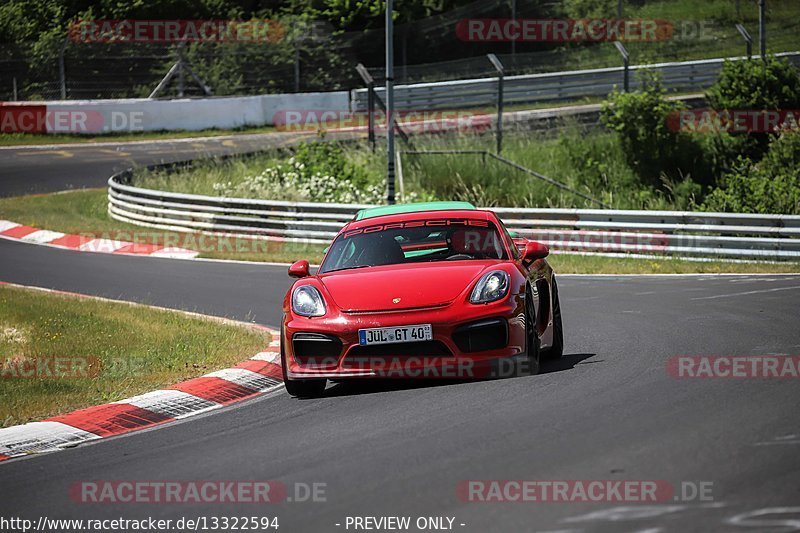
{"points": [[492, 286], [307, 301]]}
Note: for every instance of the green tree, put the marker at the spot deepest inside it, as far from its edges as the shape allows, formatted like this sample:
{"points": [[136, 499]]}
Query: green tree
{"points": [[651, 148], [770, 186], [756, 84], [752, 85]]}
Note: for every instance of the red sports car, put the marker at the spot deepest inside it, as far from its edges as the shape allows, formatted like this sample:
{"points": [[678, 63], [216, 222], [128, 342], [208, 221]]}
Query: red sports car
{"points": [[419, 291]]}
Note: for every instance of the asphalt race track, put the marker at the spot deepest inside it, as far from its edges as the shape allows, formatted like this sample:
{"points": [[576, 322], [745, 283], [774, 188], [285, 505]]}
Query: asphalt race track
{"points": [[609, 410], [40, 169]]}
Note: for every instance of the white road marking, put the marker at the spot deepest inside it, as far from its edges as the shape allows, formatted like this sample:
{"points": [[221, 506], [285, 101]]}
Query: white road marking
{"points": [[245, 378], [776, 289], [171, 403], [783, 439], [752, 519], [270, 357], [102, 245], [175, 253], [621, 514], [42, 236], [41, 437], [7, 225]]}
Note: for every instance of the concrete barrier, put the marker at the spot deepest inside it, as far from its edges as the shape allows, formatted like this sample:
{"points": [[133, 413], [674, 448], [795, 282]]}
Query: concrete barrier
{"points": [[142, 114]]}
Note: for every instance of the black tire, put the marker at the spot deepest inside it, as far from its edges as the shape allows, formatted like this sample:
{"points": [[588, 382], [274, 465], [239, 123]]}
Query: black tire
{"points": [[531, 337], [557, 349], [303, 388]]}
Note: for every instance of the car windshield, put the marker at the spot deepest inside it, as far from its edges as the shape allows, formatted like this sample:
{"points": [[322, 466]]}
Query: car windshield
{"points": [[415, 242]]}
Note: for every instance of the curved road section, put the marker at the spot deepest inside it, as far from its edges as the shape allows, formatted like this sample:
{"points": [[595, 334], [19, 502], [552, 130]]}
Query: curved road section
{"points": [[627, 409], [48, 168]]}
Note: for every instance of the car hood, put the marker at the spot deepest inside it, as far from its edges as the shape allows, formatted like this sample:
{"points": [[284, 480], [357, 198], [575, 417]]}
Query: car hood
{"points": [[397, 287]]}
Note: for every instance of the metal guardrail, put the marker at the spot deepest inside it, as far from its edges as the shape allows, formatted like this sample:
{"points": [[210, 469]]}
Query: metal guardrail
{"points": [[727, 235], [687, 76]]}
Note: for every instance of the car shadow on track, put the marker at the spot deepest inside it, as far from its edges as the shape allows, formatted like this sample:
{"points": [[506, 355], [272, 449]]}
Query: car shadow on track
{"points": [[565, 362], [374, 386]]}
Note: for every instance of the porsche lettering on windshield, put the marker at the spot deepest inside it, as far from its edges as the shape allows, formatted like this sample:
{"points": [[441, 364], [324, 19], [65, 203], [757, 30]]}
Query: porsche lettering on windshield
{"points": [[445, 222]]}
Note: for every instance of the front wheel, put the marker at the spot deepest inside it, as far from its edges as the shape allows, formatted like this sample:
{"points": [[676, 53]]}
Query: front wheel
{"points": [[303, 388], [531, 337], [557, 349]]}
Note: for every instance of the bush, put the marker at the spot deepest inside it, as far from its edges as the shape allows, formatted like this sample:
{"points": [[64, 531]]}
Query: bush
{"points": [[754, 84], [651, 149], [579, 9], [769, 186], [318, 172]]}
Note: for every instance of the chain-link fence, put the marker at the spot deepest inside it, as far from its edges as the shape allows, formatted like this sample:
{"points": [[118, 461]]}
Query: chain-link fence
{"points": [[310, 57]]}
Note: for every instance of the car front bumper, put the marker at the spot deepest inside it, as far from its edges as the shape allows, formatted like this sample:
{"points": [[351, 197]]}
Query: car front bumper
{"points": [[469, 342]]}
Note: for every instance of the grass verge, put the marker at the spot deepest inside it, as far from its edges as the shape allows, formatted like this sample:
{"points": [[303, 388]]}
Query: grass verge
{"points": [[590, 162], [82, 212], [586, 264], [106, 351]]}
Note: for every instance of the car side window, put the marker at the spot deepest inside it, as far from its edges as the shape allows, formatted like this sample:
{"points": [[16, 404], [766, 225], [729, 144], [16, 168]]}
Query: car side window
{"points": [[514, 250]]}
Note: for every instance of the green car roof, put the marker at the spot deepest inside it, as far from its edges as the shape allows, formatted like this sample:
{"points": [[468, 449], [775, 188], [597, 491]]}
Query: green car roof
{"points": [[411, 208]]}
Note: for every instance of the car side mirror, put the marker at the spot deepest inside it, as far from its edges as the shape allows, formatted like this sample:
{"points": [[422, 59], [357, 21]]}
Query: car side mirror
{"points": [[535, 250], [299, 269]]}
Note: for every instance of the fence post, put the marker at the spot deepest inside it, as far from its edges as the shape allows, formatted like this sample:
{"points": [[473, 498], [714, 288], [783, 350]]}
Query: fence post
{"points": [[390, 161], [181, 81], [62, 74], [371, 114], [747, 39], [625, 64], [513, 41], [14, 87], [500, 74], [296, 65], [762, 28], [365, 75]]}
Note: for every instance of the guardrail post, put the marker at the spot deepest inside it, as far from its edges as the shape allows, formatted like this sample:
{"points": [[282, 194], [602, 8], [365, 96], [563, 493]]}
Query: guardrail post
{"points": [[626, 65], [500, 74]]}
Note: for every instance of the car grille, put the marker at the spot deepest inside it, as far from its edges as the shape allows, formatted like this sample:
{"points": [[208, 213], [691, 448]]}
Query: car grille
{"points": [[406, 349], [482, 335], [316, 348]]}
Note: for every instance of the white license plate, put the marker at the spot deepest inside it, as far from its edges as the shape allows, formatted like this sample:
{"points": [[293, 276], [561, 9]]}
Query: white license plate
{"points": [[418, 333]]}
